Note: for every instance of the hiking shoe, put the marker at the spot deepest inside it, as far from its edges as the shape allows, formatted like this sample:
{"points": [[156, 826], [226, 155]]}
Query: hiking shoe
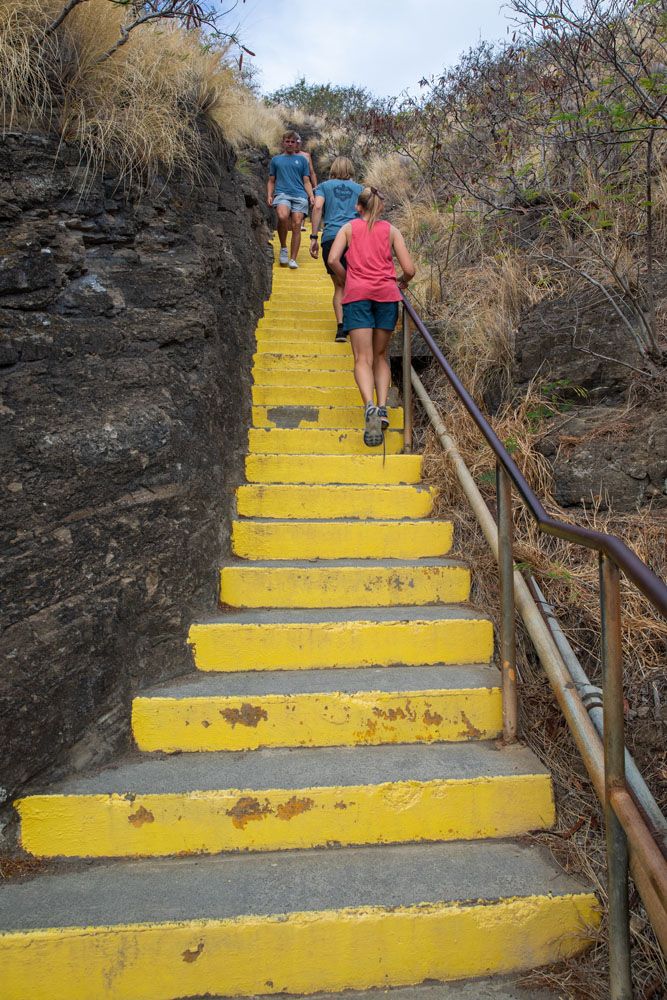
{"points": [[372, 427], [341, 334], [384, 417], [292, 263], [283, 257]]}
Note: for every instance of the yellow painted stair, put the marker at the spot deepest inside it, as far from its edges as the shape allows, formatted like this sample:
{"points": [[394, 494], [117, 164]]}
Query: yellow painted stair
{"points": [[323, 804]]}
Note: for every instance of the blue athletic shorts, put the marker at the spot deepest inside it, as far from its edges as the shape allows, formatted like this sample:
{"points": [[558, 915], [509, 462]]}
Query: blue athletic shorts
{"points": [[367, 314], [295, 204]]}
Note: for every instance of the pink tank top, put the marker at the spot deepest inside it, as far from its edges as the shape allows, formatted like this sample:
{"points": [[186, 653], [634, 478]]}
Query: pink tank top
{"points": [[370, 267]]}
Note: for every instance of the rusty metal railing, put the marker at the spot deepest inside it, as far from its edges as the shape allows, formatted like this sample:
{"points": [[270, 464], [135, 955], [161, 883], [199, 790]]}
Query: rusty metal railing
{"points": [[628, 837]]}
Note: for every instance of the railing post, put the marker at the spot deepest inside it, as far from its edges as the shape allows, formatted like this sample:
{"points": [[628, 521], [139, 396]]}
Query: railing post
{"points": [[507, 618], [620, 979], [407, 384]]}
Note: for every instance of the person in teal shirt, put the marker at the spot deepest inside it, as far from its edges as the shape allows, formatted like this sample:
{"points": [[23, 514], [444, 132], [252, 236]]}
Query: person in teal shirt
{"points": [[290, 192], [335, 203]]}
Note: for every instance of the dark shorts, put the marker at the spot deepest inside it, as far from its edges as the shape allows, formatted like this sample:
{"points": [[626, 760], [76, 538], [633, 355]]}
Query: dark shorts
{"points": [[326, 250], [367, 314]]}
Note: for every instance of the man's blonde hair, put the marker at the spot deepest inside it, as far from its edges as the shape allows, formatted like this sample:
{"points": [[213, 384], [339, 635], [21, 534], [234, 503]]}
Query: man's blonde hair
{"points": [[342, 169]]}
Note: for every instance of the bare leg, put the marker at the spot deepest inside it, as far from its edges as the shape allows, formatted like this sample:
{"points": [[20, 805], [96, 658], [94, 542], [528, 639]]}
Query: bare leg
{"points": [[283, 213], [381, 369], [338, 299], [297, 219], [362, 346]]}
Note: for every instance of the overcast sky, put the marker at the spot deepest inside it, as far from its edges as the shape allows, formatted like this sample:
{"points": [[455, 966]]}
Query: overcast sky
{"points": [[382, 45]]}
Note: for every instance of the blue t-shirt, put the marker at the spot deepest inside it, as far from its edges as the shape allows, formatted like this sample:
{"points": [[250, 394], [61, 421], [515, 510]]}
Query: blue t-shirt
{"points": [[340, 202], [289, 171]]}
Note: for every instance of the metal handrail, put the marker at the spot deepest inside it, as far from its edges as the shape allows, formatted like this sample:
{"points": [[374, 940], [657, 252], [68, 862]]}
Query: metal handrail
{"points": [[625, 824], [633, 567]]}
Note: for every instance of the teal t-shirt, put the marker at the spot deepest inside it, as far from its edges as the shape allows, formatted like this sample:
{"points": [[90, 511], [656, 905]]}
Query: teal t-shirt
{"points": [[289, 171], [340, 201]]}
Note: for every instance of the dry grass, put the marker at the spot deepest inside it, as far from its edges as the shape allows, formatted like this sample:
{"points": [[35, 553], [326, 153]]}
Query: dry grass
{"points": [[140, 111], [568, 576]]}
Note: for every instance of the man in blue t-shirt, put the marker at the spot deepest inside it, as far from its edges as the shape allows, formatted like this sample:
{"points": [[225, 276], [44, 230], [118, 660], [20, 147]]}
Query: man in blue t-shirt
{"points": [[336, 204], [290, 192]]}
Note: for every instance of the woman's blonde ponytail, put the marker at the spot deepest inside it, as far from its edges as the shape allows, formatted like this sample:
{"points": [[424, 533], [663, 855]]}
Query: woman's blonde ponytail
{"points": [[372, 202]]}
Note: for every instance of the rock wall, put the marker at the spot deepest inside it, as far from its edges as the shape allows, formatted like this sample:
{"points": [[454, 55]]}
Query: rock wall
{"points": [[126, 334], [607, 440]]}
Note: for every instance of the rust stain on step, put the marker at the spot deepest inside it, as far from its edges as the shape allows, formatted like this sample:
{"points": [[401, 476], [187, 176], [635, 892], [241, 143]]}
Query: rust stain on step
{"points": [[432, 718], [293, 807], [472, 732], [141, 816], [192, 954], [246, 809], [246, 715]]}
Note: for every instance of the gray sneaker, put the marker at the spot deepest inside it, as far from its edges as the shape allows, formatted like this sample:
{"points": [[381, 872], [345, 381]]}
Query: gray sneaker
{"points": [[384, 417], [292, 263], [372, 426], [283, 257]]}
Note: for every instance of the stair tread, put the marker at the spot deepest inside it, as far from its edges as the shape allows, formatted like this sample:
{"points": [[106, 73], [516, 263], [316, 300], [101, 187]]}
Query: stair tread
{"points": [[229, 886], [496, 988], [298, 768], [254, 683], [364, 564], [308, 616]]}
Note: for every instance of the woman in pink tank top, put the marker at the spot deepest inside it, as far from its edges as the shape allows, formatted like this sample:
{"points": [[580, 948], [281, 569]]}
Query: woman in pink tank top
{"points": [[370, 301]]}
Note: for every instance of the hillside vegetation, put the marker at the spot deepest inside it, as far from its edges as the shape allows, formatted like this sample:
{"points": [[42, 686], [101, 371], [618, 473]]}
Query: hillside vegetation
{"points": [[136, 96]]}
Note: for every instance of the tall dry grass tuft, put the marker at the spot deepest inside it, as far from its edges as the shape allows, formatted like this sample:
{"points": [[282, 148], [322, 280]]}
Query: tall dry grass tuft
{"points": [[139, 111]]}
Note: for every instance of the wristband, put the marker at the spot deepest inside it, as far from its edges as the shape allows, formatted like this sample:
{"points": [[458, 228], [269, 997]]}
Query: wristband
{"points": [[314, 236]]}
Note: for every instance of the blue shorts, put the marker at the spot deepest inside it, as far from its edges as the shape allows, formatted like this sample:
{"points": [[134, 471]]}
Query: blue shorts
{"points": [[367, 314], [295, 204]]}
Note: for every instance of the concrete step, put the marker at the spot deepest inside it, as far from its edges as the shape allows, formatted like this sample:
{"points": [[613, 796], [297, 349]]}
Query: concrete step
{"points": [[340, 539], [285, 309], [319, 416], [303, 348], [285, 500], [295, 319], [287, 799], [296, 923], [293, 361], [293, 331], [369, 706], [344, 583], [496, 988], [350, 637], [309, 441], [287, 395], [316, 378], [368, 469]]}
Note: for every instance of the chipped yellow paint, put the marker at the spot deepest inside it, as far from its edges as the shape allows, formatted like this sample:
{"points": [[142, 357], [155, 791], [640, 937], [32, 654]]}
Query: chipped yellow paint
{"points": [[347, 469], [317, 378], [302, 348], [341, 540], [285, 395], [227, 646], [281, 441], [294, 331], [286, 361], [297, 953], [295, 320], [319, 416], [207, 822], [357, 586], [314, 501], [329, 719]]}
